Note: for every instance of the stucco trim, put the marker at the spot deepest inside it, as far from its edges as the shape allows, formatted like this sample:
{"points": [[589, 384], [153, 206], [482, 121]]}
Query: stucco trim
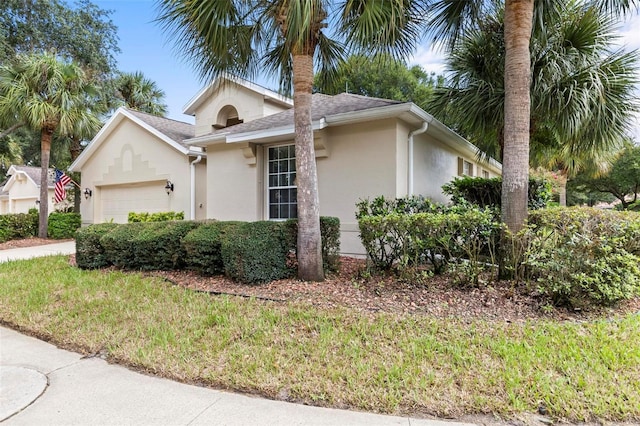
{"points": [[121, 114]]}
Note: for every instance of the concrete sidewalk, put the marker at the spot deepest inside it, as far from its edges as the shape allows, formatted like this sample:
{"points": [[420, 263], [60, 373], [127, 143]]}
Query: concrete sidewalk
{"points": [[67, 247], [43, 385], [59, 387]]}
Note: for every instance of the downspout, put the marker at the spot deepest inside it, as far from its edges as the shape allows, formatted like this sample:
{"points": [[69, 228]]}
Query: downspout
{"points": [[193, 186], [422, 129]]}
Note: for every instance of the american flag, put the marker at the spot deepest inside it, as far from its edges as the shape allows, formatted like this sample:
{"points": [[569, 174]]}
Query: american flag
{"points": [[61, 181]]}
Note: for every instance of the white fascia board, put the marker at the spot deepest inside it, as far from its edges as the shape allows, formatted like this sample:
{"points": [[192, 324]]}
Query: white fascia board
{"points": [[201, 141], [108, 127], [197, 100], [278, 132]]}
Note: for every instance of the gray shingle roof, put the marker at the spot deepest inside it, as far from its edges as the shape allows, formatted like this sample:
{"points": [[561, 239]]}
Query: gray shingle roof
{"points": [[321, 106], [178, 131], [34, 174]]}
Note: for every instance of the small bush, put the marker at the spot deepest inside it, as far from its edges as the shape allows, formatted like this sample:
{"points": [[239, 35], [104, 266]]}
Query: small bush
{"points": [[203, 247], [255, 252], [89, 251], [18, 226], [381, 206], [154, 217], [583, 256], [63, 225], [484, 192]]}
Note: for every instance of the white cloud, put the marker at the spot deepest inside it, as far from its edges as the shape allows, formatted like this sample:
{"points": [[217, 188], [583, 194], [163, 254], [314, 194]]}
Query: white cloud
{"points": [[429, 58]]}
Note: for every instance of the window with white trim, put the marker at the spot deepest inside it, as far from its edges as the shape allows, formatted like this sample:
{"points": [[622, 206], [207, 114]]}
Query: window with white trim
{"points": [[485, 174], [467, 168], [282, 193]]}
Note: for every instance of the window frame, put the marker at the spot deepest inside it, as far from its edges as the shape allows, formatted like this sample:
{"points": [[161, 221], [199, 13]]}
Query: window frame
{"points": [[268, 187]]}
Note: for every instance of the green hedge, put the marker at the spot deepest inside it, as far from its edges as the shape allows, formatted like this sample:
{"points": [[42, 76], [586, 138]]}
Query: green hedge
{"points": [[18, 226], [90, 253], [63, 225], [154, 217], [147, 246], [583, 256], [203, 247], [246, 251], [255, 252], [485, 192], [400, 240]]}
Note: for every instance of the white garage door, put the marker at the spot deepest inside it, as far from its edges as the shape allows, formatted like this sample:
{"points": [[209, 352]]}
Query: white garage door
{"points": [[118, 200]]}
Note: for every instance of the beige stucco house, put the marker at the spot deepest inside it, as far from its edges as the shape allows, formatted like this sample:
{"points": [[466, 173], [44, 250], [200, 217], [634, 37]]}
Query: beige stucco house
{"points": [[21, 191], [238, 162]]}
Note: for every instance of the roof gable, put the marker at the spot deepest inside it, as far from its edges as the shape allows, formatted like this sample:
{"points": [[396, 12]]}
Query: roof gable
{"points": [[32, 174], [205, 93], [172, 132]]}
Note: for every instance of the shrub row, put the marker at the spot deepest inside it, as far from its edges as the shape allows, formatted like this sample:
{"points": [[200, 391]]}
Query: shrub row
{"points": [[249, 252], [134, 217], [18, 226], [25, 225], [399, 240]]}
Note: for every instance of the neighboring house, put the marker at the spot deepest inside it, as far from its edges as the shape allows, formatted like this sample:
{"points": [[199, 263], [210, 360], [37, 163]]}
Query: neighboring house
{"points": [[365, 147], [21, 191]]}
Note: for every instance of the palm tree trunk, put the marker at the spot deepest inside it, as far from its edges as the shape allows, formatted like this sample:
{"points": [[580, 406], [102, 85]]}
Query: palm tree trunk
{"points": [[75, 148], [45, 151], [518, 20], [309, 239]]}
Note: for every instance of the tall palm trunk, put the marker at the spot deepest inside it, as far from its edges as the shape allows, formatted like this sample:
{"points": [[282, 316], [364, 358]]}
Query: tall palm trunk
{"points": [[45, 152], [75, 148], [309, 239], [518, 21]]}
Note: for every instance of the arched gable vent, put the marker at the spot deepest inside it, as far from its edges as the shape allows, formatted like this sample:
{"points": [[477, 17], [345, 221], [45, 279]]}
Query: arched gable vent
{"points": [[228, 116]]}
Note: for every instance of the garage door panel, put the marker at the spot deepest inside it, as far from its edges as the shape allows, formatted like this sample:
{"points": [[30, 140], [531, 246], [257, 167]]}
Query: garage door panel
{"points": [[117, 201]]}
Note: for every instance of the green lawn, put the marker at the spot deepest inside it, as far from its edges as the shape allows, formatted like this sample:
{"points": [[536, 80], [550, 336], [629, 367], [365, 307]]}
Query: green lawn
{"points": [[376, 362]]}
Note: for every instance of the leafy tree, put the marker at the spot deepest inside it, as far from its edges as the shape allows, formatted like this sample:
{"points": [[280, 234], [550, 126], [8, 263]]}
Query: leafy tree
{"points": [[137, 92], [450, 20], [581, 92], [48, 95], [288, 38], [622, 181], [381, 77], [83, 33]]}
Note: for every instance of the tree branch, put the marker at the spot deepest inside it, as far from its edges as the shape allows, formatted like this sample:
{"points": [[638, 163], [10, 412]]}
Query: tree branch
{"points": [[10, 129]]}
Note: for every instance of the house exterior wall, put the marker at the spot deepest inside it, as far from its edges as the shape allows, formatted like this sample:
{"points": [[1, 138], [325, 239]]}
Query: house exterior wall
{"points": [[249, 105], [132, 159], [201, 190], [232, 184], [23, 194]]}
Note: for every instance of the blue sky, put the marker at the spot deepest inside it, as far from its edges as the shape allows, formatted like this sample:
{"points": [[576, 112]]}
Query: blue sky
{"points": [[145, 48]]}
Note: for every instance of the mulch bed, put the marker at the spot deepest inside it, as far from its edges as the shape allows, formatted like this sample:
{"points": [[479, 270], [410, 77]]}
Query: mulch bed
{"points": [[437, 296]]}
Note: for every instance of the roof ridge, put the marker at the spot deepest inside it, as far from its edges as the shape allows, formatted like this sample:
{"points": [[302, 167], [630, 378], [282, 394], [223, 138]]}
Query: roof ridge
{"points": [[156, 116]]}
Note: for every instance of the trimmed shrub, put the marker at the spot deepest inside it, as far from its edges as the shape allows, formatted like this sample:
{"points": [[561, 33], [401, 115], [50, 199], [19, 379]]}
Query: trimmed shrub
{"points": [[63, 225], [583, 256], [18, 226], [484, 192], [255, 252], [203, 247], [119, 247], [89, 251], [154, 217], [158, 245], [330, 232], [400, 240]]}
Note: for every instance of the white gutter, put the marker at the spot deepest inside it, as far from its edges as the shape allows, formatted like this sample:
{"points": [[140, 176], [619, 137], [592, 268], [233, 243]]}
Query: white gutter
{"points": [[193, 186], [422, 129]]}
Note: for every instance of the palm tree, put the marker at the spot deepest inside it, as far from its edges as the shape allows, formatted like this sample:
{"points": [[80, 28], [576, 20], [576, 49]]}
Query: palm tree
{"points": [[137, 92], [290, 38], [48, 95], [448, 20], [581, 89]]}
